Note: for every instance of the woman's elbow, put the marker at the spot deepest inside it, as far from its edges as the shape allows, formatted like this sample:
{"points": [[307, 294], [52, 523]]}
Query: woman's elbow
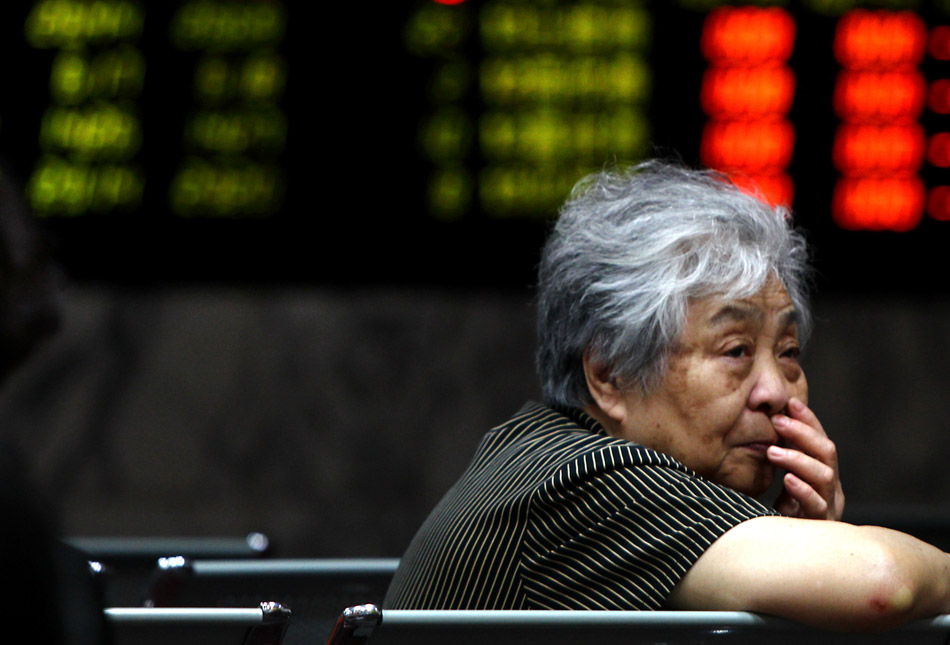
{"points": [[896, 594], [893, 602]]}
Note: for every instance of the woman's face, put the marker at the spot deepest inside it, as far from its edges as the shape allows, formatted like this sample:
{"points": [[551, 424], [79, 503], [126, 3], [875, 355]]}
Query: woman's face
{"points": [[736, 365]]}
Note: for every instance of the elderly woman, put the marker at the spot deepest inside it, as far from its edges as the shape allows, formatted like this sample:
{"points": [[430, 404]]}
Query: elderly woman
{"points": [[671, 315]]}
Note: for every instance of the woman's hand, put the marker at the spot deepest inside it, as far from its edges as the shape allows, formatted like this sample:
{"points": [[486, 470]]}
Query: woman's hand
{"points": [[812, 483]]}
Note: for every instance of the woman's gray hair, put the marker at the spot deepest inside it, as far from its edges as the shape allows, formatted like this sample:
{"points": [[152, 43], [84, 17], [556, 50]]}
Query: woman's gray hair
{"points": [[629, 251]]}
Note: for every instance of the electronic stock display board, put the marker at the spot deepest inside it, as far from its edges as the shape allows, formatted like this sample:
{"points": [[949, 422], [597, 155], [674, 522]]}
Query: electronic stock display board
{"points": [[432, 141]]}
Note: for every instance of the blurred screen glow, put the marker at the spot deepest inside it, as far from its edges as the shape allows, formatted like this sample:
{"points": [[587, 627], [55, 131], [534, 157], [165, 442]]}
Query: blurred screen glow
{"points": [[879, 145], [746, 93]]}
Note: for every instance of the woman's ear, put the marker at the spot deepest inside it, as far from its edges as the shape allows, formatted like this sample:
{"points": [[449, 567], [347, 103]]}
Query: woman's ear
{"points": [[608, 397]]}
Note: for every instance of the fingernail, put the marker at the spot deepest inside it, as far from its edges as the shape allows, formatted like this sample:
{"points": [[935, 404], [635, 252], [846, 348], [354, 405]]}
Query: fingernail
{"points": [[780, 420], [775, 451]]}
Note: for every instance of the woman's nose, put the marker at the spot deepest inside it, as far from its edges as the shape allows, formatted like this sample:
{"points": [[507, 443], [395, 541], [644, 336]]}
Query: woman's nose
{"points": [[770, 392]]}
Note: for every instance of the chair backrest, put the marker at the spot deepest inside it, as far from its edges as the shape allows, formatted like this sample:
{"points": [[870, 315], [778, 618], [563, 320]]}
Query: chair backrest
{"points": [[127, 563], [252, 545], [317, 589], [264, 625], [373, 626]]}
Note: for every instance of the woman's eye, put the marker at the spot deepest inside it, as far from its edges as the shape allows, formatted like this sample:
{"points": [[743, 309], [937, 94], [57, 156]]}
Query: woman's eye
{"points": [[738, 351], [792, 352]]}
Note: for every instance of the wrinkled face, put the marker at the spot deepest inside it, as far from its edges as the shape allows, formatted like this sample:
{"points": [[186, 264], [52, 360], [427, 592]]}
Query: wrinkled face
{"points": [[735, 366]]}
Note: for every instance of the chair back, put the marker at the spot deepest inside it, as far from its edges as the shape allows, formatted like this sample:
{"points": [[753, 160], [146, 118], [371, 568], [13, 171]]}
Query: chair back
{"points": [[367, 624], [125, 564], [264, 625], [317, 589]]}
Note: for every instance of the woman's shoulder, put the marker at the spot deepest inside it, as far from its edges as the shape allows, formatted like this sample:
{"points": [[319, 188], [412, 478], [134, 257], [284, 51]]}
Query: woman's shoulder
{"points": [[563, 449], [547, 437]]}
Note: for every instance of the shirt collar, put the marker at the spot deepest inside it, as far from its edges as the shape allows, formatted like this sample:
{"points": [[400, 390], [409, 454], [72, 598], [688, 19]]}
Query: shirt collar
{"points": [[582, 419]]}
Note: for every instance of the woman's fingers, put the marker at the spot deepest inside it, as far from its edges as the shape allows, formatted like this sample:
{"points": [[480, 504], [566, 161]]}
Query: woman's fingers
{"points": [[813, 481]]}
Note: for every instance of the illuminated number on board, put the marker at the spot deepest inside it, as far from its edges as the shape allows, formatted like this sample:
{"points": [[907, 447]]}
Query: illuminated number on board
{"points": [[746, 93]]}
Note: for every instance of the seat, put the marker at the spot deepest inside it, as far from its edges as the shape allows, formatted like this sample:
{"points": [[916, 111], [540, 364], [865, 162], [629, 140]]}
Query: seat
{"points": [[264, 625], [368, 624], [125, 564], [317, 589]]}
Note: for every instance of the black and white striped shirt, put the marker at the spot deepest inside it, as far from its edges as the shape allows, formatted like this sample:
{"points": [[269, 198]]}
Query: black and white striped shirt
{"points": [[553, 513]]}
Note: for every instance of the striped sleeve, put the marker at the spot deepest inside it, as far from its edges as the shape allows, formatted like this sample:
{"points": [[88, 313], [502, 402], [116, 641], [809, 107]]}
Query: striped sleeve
{"points": [[607, 537], [553, 514]]}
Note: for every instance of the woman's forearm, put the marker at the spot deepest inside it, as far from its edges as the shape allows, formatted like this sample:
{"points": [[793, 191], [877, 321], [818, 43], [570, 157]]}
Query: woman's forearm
{"points": [[827, 574]]}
